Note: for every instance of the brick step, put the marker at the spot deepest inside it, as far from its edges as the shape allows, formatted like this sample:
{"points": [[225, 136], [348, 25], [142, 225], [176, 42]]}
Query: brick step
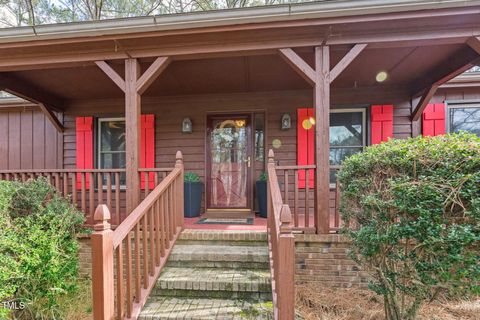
{"points": [[187, 281], [220, 256], [223, 237], [160, 308]]}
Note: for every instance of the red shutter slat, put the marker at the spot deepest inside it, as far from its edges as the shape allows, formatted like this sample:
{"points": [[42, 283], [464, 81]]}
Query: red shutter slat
{"points": [[305, 146], [381, 117], [84, 146], [147, 148], [433, 120]]}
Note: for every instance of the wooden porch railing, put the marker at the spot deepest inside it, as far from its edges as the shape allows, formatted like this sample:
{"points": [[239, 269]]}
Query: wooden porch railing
{"points": [[86, 188], [301, 199], [107, 187], [281, 248], [127, 262]]}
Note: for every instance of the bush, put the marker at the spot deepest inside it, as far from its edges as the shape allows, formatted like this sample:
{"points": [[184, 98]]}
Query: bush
{"points": [[414, 211], [38, 247]]}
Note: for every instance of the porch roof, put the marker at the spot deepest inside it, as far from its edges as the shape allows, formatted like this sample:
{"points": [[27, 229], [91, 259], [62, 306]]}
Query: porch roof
{"points": [[417, 43]]}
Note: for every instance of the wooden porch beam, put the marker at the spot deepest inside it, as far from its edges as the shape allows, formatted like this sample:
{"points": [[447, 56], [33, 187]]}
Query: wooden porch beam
{"points": [[321, 100], [52, 117], [298, 64], [152, 73], [474, 43], [112, 74], [423, 102], [426, 86], [28, 91], [346, 60]]}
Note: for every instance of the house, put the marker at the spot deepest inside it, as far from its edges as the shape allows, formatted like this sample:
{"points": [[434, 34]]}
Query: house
{"points": [[108, 104]]}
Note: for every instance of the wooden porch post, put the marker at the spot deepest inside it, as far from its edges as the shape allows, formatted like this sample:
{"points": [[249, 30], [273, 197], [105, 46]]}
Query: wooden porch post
{"points": [[133, 86], [321, 101], [102, 265], [132, 133]]}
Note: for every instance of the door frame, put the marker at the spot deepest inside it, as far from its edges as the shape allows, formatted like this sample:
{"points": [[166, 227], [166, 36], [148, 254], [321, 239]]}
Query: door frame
{"points": [[210, 116]]}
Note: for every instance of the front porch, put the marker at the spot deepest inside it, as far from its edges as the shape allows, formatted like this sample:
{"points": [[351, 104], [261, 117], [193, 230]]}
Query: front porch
{"points": [[115, 119]]}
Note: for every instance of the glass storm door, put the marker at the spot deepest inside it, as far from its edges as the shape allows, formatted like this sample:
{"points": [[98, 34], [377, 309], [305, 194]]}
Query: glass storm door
{"points": [[228, 162]]}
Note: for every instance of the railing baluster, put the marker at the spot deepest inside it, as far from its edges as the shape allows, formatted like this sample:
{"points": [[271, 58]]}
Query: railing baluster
{"points": [[117, 198], [307, 194], [57, 182], [157, 231], [84, 192], [65, 184], [120, 291], [100, 188], [145, 250], [147, 183], [162, 226], [91, 194], [128, 271], [137, 263], [109, 193], [151, 237], [295, 210], [74, 190], [167, 219]]}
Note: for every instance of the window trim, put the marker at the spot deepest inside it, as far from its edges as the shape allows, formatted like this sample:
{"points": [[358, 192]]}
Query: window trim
{"points": [[362, 110], [99, 144], [458, 105]]}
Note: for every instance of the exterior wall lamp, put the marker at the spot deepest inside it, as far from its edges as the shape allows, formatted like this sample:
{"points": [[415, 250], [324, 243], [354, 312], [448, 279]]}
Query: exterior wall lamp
{"points": [[187, 125], [286, 121]]}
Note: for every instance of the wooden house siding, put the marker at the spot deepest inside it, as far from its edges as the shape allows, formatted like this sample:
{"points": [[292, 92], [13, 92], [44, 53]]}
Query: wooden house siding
{"points": [[28, 140]]}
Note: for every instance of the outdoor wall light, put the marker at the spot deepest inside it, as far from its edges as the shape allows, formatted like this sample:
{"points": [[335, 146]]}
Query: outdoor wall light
{"points": [[381, 76], [187, 125], [286, 121]]}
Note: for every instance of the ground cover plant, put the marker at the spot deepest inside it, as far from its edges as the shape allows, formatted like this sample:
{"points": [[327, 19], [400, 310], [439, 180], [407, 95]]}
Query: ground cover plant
{"points": [[38, 249], [413, 211]]}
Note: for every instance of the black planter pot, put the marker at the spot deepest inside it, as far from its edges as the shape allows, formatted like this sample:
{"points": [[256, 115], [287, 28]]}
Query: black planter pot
{"points": [[193, 199], [261, 187]]}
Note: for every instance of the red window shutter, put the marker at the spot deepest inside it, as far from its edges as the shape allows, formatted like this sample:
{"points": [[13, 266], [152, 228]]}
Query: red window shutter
{"points": [[381, 118], [305, 146], [84, 143], [433, 120], [147, 148]]}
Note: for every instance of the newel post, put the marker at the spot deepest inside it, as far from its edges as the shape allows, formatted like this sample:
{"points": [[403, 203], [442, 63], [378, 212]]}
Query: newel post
{"points": [[102, 265], [180, 191], [286, 272], [270, 165]]}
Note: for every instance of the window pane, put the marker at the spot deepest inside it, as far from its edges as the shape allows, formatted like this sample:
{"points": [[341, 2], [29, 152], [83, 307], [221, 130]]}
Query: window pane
{"points": [[337, 155], [466, 119], [112, 160], [346, 129], [112, 135], [259, 137]]}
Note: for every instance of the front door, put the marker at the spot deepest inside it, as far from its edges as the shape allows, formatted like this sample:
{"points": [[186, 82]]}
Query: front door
{"points": [[228, 162]]}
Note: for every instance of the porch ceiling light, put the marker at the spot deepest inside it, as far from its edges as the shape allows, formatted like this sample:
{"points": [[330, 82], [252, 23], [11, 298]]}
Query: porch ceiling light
{"points": [[187, 125], [381, 76]]}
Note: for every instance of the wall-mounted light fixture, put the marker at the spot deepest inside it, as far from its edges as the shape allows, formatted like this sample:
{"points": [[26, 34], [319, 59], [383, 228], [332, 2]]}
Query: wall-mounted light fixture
{"points": [[187, 125], [286, 121]]}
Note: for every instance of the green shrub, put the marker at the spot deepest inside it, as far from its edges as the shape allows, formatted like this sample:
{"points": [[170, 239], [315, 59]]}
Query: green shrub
{"points": [[263, 177], [38, 247], [414, 211], [191, 177]]}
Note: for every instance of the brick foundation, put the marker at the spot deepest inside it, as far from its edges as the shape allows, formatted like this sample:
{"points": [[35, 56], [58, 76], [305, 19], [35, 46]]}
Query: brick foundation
{"points": [[324, 259], [85, 256]]}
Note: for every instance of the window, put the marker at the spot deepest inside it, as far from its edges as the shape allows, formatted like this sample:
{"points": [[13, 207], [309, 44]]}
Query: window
{"points": [[347, 135], [465, 117], [111, 144], [259, 137]]}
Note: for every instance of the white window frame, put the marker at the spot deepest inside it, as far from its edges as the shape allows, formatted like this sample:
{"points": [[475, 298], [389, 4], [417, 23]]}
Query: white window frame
{"points": [[99, 145], [458, 105], [364, 127]]}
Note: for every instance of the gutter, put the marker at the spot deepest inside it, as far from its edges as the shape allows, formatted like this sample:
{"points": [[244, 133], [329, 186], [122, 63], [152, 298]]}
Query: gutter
{"points": [[228, 17]]}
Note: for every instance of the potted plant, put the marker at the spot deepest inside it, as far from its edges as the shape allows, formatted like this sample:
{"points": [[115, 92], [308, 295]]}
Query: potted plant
{"points": [[193, 189], [261, 186]]}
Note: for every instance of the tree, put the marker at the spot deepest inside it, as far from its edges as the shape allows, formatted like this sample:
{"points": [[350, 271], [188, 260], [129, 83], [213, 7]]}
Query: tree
{"points": [[413, 207]]}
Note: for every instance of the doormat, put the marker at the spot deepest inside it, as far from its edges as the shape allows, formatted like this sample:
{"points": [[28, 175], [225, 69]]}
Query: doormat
{"points": [[225, 221]]}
